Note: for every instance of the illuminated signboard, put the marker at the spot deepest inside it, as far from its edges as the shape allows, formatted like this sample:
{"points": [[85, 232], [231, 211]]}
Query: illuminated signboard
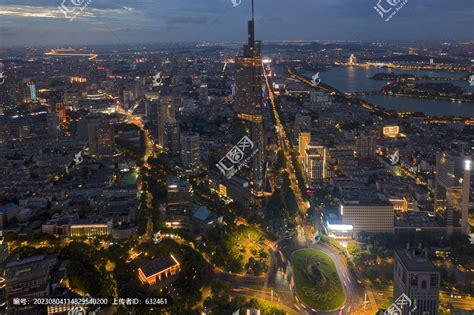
{"points": [[391, 131]]}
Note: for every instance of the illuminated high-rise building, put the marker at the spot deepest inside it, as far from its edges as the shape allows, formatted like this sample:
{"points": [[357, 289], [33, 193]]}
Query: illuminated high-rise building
{"points": [[105, 139], [190, 149], [101, 138], [452, 190], [204, 94], [172, 137], [61, 110], [250, 103], [304, 139], [29, 92], [315, 162], [166, 113]]}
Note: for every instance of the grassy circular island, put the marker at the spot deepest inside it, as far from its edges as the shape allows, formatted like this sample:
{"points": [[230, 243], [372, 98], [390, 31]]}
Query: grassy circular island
{"points": [[316, 281]]}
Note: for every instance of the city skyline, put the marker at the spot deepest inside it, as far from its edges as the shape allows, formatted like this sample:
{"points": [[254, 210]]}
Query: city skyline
{"points": [[35, 23], [270, 178]]}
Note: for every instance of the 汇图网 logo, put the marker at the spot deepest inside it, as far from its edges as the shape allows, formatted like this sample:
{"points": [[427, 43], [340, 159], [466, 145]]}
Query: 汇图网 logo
{"points": [[399, 306], [157, 80], [72, 8], [237, 157], [388, 8], [236, 3], [316, 79], [471, 80]]}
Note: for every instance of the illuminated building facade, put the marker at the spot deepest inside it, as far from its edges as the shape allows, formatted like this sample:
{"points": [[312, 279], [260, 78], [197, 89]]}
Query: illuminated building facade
{"points": [[203, 94], [303, 140], [157, 269], [391, 131], [29, 92], [179, 191], [452, 190], [90, 229], [373, 216], [315, 162], [61, 110], [249, 103]]}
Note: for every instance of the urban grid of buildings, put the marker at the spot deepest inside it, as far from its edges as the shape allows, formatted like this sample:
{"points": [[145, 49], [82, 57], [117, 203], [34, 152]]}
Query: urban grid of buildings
{"points": [[80, 139]]}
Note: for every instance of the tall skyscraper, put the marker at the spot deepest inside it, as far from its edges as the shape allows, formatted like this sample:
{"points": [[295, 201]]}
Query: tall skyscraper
{"points": [[203, 94], [250, 104], [101, 138], [172, 137], [166, 113], [416, 277], [29, 92], [452, 190], [151, 110], [190, 149], [105, 140]]}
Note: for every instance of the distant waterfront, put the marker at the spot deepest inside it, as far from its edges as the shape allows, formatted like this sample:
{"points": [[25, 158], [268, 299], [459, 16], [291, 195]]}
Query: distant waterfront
{"points": [[352, 79]]}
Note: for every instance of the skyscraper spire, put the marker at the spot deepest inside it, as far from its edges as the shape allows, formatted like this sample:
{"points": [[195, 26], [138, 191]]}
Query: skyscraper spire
{"points": [[253, 10], [250, 50]]}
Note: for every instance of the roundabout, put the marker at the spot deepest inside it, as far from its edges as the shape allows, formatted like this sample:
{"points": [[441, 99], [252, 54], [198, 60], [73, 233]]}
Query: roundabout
{"points": [[317, 284]]}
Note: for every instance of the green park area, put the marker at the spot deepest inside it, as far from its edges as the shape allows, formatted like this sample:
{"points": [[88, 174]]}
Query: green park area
{"points": [[242, 249], [316, 280]]}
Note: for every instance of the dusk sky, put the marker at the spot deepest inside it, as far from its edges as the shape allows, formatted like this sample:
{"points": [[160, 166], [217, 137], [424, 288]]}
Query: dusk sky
{"points": [[39, 22]]}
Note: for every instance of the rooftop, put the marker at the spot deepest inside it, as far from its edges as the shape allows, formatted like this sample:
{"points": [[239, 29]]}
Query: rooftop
{"points": [[159, 265], [416, 260]]}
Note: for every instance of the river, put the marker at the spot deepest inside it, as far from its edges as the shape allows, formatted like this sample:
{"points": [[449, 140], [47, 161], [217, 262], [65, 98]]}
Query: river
{"points": [[357, 79]]}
